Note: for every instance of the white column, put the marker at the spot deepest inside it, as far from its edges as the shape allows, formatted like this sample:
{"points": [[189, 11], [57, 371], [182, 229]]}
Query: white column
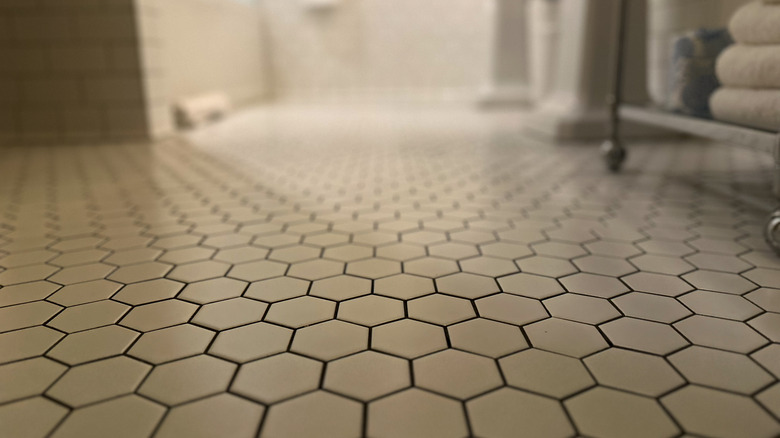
{"points": [[576, 108], [509, 76], [543, 34]]}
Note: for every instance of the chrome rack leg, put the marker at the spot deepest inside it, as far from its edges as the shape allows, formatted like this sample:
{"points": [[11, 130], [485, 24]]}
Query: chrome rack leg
{"points": [[772, 230], [612, 149]]}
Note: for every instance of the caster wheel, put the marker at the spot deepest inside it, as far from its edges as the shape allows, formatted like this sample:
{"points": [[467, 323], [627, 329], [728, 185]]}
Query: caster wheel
{"points": [[614, 154], [772, 232]]}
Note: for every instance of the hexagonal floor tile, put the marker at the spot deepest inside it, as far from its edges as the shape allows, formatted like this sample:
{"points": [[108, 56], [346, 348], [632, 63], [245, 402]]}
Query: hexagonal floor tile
{"points": [[720, 305], [531, 286], [581, 308], [28, 378], [662, 264], [367, 375], [474, 237], [652, 307], [140, 272], [230, 313], [171, 343], [546, 373], [187, 379], [609, 413], [511, 309], [300, 312], [341, 287], [256, 271], [27, 292], [88, 292], [26, 274], [375, 238], [316, 269], [768, 325], [348, 252], [489, 266], [452, 250], [277, 377], [93, 344], [505, 250], [707, 412], [440, 309], [719, 282], [593, 285], [431, 267], [408, 338], [222, 414], [183, 255], [330, 340], [277, 289], [26, 315], [505, 412], [326, 239], [647, 336], [293, 254], [720, 369], [771, 399], [371, 310], [769, 358], [424, 237], [633, 371], [241, 254], [456, 373], [98, 381], [404, 286], [147, 291], [546, 266], [315, 414], [565, 337], [373, 268], [561, 250], [416, 413], [126, 416], [720, 333], [251, 342], [467, 285], [87, 316], [657, 284], [35, 416], [767, 299], [93, 271], [400, 252], [159, 315], [488, 338]]}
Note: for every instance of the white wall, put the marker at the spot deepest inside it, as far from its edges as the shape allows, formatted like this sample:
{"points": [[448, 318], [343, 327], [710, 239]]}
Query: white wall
{"points": [[213, 45], [380, 50]]}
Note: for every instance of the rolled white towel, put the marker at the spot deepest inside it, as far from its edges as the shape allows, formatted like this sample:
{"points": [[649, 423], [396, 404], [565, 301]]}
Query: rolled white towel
{"points": [[755, 108], [756, 23], [741, 66]]}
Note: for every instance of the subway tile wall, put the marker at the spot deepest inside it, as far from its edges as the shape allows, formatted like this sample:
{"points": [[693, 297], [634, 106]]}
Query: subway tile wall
{"points": [[72, 72]]}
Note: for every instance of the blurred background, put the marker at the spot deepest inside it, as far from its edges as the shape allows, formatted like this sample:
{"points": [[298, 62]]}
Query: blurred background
{"points": [[109, 70]]}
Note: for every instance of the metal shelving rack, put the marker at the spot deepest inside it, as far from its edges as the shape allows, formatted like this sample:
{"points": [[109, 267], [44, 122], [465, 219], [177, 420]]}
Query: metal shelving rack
{"points": [[614, 151]]}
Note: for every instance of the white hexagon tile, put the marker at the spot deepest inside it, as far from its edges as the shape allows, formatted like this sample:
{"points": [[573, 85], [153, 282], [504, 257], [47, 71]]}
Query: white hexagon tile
{"points": [[294, 273]]}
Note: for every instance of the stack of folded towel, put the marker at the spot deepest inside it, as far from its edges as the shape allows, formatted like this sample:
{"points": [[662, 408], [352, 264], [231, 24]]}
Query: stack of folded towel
{"points": [[693, 80], [750, 70]]}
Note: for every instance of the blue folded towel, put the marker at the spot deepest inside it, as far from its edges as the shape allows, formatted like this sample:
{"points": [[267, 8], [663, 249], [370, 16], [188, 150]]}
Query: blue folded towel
{"points": [[693, 77]]}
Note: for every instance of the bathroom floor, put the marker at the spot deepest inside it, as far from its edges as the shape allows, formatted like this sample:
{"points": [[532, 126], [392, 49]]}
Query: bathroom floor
{"points": [[306, 272]]}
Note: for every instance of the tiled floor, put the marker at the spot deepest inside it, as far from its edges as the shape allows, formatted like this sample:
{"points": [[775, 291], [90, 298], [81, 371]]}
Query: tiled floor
{"points": [[418, 273]]}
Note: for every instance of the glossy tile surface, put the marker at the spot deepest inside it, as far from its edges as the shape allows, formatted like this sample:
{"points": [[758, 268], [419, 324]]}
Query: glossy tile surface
{"points": [[371, 272]]}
